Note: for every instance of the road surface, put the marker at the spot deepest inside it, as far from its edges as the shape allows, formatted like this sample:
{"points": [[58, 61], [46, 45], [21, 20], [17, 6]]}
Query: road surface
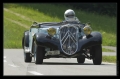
{"points": [[14, 65]]}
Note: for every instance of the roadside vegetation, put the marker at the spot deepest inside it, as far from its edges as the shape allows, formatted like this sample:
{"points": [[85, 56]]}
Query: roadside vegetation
{"points": [[107, 50], [111, 59], [12, 34], [17, 15]]}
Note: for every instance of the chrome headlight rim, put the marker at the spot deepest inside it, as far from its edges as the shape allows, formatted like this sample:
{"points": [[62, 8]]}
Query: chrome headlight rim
{"points": [[87, 30], [51, 31]]}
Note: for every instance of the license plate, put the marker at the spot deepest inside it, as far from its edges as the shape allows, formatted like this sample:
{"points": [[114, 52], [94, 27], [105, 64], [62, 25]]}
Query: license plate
{"points": [[53, 52]]}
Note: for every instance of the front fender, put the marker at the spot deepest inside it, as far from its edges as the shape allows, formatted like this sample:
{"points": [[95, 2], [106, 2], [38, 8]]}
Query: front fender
{"points": [[25, 39], [42, 40], [94, 39]]}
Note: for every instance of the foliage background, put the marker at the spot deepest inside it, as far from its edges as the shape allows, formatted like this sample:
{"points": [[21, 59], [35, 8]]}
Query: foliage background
{"points": [[100, 8]]}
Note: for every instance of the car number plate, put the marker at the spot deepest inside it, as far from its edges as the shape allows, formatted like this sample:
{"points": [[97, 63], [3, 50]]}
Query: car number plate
{"points": [[53, 52]]}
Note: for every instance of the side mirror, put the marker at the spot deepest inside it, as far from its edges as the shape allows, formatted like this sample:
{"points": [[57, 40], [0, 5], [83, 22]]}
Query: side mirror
{"points": [[34, 23]]}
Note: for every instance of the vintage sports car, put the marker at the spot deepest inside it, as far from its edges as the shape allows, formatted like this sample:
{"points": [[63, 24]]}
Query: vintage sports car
{"points": [[62, 40]]}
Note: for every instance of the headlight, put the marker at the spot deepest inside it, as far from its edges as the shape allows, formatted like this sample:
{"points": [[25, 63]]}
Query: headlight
{"points": [[87, 30], [51, 31]]}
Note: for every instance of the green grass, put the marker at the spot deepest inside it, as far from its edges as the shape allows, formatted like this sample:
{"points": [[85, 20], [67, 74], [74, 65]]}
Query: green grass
{"points": [[111, 59], [34, 13], [107, 50], [50, 13], [17, 18], [12, 34]]}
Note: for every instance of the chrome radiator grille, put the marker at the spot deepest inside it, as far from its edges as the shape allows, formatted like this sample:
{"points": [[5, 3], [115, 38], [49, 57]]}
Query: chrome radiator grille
{"points": [[69, 39]]}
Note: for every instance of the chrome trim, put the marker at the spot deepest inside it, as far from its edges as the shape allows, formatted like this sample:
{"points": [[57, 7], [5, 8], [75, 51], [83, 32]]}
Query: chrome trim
{"points": [[55, 52], [69, 38], [26, 49]]}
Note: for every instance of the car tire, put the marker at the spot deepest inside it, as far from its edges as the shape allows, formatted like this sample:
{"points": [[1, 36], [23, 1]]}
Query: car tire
{"points": [[23, 42], [81, 59], [97, 57], [27, 57], [38, 53]]}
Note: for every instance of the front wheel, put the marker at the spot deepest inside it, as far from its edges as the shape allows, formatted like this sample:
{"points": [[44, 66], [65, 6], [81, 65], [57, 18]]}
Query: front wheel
{"points": [[38, 53], [27, 57], [97, 57]]}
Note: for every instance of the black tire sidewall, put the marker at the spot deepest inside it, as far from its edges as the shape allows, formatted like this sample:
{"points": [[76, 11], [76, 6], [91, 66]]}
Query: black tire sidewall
{"points": [[97, 58], [39, 54], [27, 57]]}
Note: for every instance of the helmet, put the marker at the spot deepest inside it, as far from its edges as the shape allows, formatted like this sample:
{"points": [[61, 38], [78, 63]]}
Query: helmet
{"points": [[69, 15]]}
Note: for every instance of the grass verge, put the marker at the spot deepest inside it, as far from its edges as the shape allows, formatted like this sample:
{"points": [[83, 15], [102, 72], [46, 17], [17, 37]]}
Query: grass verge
{"points": [[107, 50], [12, 34], [110, 59]]}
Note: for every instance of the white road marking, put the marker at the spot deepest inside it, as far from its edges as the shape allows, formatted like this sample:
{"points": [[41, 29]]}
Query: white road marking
{"points": [[102, 62], [13, 65], [4, 56], [108, 63], [35, 73], [89, 60], [5, 61]]}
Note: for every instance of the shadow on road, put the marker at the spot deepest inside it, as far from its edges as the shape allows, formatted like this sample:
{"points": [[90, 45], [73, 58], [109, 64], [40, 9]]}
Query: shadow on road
{"points": [[64, 63]]}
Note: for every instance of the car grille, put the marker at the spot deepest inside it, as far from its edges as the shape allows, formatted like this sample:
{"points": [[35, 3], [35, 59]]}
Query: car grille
{"points": [[69, 39]]}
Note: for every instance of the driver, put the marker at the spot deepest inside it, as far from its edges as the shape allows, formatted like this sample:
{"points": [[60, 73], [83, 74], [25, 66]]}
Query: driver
{"points": [[69, 16]]}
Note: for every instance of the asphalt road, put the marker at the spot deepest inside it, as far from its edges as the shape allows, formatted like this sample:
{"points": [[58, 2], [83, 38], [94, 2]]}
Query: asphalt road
{"points": [[14, 65]]}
